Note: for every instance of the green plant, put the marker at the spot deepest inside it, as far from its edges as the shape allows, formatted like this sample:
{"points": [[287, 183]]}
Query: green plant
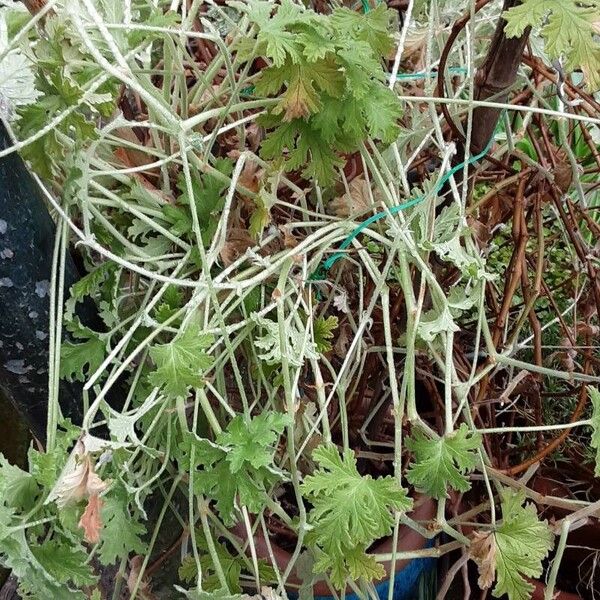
{"points": [[514, 550], [194, 156], [441, 465], [570, 30], [327, 77], [349, 513]]}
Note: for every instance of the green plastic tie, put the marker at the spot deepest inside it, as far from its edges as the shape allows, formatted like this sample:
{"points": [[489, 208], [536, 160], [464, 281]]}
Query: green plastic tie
{"points": [[321, 272], [247, 91], [411, 76]]}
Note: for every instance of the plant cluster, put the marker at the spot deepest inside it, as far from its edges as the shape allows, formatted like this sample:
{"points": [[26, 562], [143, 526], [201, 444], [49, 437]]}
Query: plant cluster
{"points": [[252, 429], [326, 73]]}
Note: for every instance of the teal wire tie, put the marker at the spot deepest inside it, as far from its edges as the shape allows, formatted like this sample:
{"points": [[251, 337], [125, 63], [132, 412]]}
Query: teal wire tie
{"points": [[247, 91], [430, 75], [320, 273]]}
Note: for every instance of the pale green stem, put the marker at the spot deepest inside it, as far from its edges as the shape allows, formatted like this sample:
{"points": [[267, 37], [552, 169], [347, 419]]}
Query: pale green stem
{"points": [[535, 428], [560, 550], [290, 407]]}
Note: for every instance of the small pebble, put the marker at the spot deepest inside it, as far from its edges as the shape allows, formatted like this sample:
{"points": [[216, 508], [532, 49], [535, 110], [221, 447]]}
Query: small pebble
{"points": [[16, 366], [41, 288]]}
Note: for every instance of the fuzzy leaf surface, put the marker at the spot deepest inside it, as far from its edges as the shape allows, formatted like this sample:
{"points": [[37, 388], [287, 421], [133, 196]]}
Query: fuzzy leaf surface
{"points": [[181, 362], [523, 542], [444, 462], [569, 31], [120, 534], [349, 512]]}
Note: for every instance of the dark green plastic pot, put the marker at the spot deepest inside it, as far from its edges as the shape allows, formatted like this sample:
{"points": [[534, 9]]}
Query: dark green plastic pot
{"points": [[27, 235]]}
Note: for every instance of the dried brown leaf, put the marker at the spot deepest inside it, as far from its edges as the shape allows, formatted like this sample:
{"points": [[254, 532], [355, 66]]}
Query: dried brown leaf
{"points": [[254, 136], [80, 482], [289, 239], [480, 230], [584, 328], [342, 341], [568, 355], [563, 171], [237, 242], [496, 209], [415, 47], [144, 590], [91, 520], [132, 158], [483, 552], [354, 202], [250, 176], [34, 6]]}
